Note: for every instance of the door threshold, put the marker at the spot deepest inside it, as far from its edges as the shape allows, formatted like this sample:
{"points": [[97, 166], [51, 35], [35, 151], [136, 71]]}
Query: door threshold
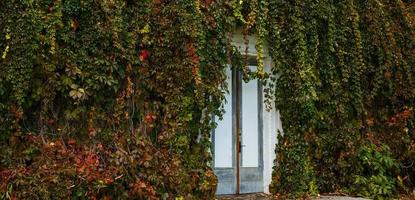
{"points": [[248, 196]]}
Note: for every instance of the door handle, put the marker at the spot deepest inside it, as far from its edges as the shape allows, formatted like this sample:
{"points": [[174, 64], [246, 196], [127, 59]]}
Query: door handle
{"points": [[240, 146]]}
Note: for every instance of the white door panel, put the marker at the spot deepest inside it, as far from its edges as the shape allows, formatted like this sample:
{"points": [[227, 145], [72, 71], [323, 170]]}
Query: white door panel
{"points": [[223, 132], [250, 123]]}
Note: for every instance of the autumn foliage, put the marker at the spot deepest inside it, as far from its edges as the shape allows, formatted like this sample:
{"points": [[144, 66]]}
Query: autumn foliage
{"points": [[110, 99], [114, 99]]}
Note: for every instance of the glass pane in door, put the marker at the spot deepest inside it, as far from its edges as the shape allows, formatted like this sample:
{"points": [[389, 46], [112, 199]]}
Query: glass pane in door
{"points": [[250, 152], [223, 132]]}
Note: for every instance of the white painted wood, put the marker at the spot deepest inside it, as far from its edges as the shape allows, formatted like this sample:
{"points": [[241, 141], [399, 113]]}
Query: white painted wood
{"points": [[223, 133], [250, 123], [272, 124]]}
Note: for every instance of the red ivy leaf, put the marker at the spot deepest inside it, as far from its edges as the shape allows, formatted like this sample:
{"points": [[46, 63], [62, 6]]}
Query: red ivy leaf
{"points": [[144, 54]]}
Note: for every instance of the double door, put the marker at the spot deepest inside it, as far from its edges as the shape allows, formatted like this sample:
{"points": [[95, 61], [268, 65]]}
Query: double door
{"points": [[237, 147]]}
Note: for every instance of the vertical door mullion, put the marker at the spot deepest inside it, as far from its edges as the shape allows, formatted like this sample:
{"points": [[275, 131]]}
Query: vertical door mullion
{"points": [[260, 128]]}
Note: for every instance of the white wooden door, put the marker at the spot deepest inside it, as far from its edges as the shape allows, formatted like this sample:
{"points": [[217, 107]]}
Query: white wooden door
{"points": [[224, 143], [237, 139], [251, 166]]}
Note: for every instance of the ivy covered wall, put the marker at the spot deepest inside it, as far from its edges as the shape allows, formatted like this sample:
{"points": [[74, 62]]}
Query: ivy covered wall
{"points": [[113, 99], [345, 89]]}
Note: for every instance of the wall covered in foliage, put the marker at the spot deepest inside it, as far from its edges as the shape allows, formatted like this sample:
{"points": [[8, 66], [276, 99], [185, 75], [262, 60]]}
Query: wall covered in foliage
{"points": [[345, 87], [111, 99]]}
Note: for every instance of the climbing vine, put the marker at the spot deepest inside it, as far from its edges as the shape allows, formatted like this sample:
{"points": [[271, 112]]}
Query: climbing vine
{"points": [[111, 99], [114, 99], [343, 81]]}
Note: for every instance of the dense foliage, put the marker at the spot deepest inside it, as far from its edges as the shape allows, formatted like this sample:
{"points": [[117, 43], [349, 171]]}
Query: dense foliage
{"points": [[111, 99], [114, 99], [345, 88]]}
